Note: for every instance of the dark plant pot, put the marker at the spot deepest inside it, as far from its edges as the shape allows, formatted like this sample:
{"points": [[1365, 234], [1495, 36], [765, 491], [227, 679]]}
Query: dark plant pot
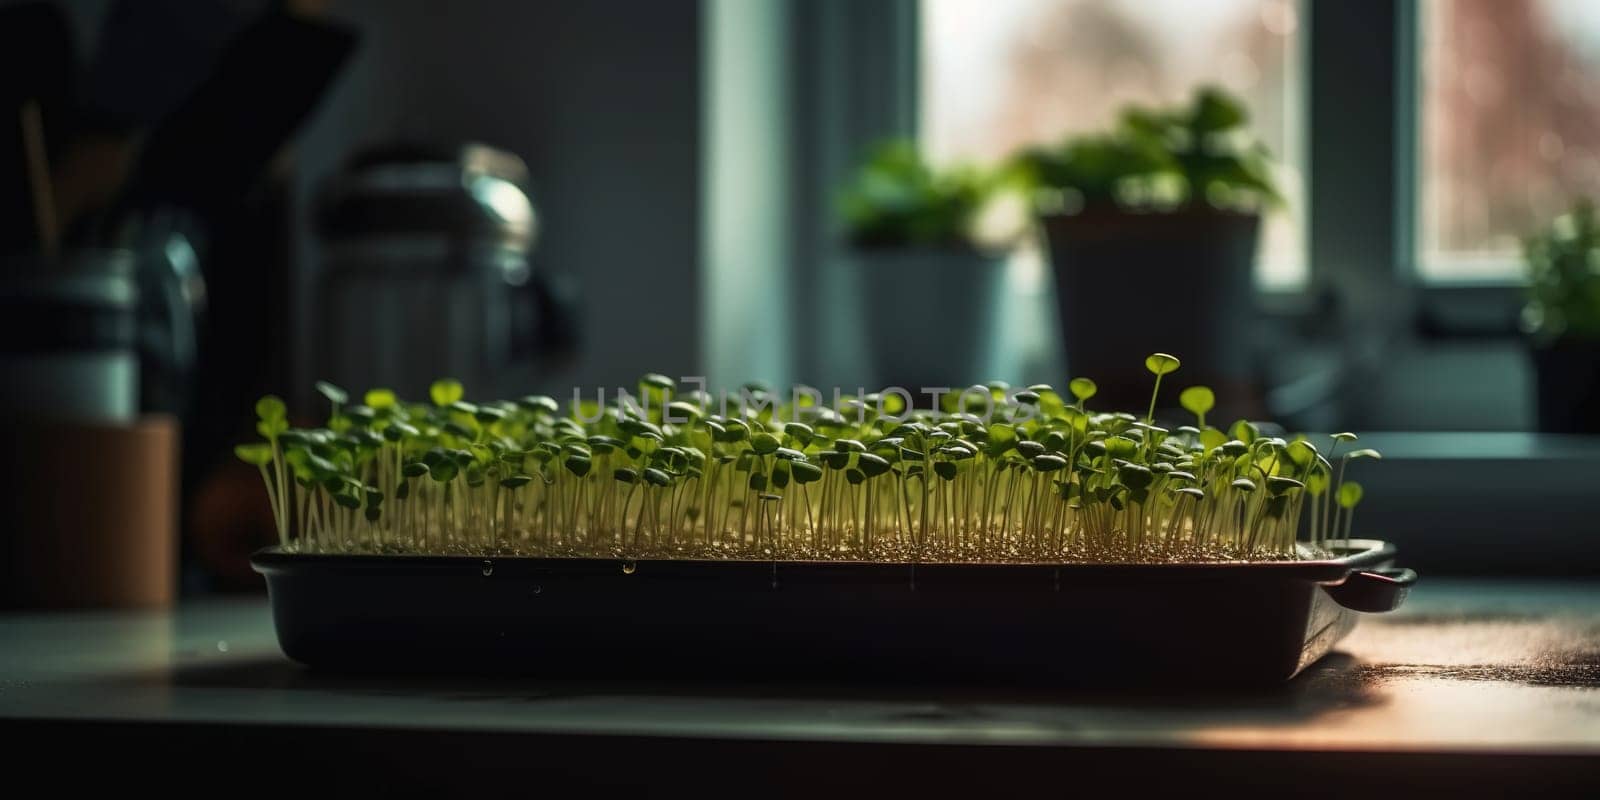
{"points": [[1201, 624], [931, 314], [1567, 376], [1130, 284]]}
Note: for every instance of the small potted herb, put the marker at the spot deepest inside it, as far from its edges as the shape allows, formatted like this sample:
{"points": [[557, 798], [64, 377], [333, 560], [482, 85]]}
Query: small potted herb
{"points": [[1562, 319], [932, 287], [1171, 198]]}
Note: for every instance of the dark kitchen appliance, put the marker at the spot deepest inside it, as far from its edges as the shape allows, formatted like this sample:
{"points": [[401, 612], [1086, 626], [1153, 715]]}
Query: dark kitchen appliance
{"points": [[425, 272]]}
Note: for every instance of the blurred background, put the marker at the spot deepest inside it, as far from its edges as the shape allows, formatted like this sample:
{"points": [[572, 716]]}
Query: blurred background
{"points": [[1356, 215]]}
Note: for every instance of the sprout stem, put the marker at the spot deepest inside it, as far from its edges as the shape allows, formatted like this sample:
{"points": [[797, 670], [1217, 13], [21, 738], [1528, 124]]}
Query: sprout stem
{"points": [[456, 477]]}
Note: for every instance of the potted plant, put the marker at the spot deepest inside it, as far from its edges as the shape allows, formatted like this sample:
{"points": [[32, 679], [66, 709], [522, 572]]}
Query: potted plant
{"points": [[1171, 198], [1562, 319], [933, 288]]}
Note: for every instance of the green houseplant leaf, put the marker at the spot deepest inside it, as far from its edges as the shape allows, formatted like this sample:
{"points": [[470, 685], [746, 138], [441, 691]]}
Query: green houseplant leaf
{"points": [[898, 199], [1158, 159]]}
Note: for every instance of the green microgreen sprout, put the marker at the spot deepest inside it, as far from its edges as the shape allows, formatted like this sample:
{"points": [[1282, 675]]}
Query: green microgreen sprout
{"points": [[1198, 400], [1159, 365], [1082, 389], [670, 474], [446, 391], [1349, 496], [334, 394]]}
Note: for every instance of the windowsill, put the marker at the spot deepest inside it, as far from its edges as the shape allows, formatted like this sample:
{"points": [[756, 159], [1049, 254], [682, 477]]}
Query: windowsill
{"points": [[1470, 310], [1498, 269], [1285, 302], [1485, 502], [1443, 310]]}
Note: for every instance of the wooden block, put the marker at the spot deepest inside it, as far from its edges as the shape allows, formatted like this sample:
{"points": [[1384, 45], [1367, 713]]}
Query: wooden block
{"points": [[92, 514]]}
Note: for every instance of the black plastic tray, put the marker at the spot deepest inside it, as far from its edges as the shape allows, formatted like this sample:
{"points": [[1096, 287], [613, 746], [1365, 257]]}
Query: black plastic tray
{"points": [[743, 620]]}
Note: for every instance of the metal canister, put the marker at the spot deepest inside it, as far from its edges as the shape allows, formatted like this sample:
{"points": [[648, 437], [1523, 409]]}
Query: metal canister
{"points": [[425, 272]]}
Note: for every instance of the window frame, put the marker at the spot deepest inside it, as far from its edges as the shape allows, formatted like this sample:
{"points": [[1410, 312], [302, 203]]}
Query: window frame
{"points": [[855, 83], [1408, 20], [1369, 94]]}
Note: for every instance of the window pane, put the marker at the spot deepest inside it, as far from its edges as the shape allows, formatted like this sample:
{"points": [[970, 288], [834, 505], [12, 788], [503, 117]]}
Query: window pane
{"points": [[1510, 127], [998, 74]]}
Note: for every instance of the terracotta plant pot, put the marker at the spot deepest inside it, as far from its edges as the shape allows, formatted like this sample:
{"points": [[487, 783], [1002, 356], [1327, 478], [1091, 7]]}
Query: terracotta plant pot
{"points": [[94, 514]]}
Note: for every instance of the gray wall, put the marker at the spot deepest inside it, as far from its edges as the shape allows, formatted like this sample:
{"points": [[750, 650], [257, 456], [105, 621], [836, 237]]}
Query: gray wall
{"points": [[602, 98]]}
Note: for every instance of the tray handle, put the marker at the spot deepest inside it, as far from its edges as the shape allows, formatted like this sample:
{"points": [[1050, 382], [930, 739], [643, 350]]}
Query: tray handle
{"points": [[1374, 590]]}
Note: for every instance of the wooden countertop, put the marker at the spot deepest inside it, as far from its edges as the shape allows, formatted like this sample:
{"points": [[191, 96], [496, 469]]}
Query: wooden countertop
{"points": [[1473, 684]]}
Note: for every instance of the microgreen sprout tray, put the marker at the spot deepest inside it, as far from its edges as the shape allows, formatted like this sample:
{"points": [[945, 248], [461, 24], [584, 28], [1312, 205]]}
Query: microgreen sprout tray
{"points": [[1000, 527]]}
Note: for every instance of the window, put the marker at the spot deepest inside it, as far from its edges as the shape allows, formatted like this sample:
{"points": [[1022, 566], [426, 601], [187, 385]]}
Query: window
{"points": [[1509, 127], [999, 74]]}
